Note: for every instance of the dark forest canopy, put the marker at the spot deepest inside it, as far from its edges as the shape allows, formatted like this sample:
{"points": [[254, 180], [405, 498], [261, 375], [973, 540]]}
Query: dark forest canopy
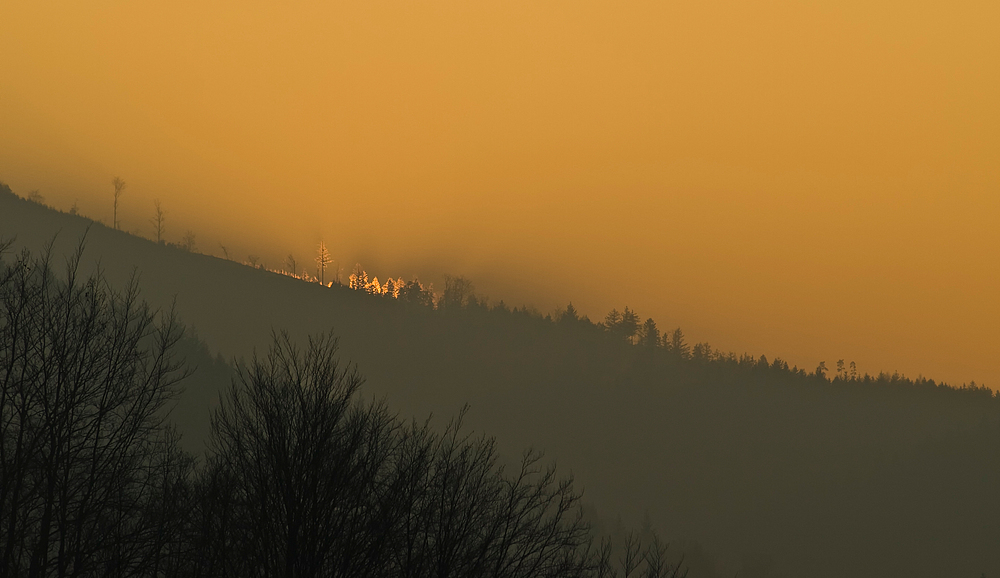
{"points": [[778, 470]]}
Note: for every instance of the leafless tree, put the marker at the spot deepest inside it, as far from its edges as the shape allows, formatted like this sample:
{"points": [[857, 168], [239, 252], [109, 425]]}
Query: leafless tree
{"points": [[630, 559], [468, 517], [322, 260], [119, 186], [292, 265], [188, 242], [84, 457], [157, 221], [303, 463], [457, 292], [308, 481]]}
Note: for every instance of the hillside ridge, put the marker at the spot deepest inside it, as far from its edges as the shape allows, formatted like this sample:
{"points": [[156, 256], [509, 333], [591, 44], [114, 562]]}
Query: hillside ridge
{"points": [[825, 475]]}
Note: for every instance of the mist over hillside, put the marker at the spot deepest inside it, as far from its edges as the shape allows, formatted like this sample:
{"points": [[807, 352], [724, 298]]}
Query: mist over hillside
{"points": [[780, 471]]}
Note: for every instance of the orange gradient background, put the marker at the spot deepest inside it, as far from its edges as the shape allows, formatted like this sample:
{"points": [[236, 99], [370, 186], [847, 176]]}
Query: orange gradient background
{"points": [[810, 179]]}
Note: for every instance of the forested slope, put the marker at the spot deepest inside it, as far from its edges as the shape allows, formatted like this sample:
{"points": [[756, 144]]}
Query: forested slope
{"points": [[807, 475]]}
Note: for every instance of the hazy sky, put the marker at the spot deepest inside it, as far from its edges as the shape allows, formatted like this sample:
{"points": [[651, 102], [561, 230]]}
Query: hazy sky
{"points": [[811, 179]]}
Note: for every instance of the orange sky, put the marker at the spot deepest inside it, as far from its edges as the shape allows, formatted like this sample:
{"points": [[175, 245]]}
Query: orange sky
{"points": [[813, 179]]}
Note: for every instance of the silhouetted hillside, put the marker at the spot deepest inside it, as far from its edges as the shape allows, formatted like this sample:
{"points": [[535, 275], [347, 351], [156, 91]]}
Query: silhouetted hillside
{"points": [[782, 472], [302, 478]]}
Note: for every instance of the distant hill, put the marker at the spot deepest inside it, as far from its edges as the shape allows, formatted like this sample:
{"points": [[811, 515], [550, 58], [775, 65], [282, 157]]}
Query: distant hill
{"points": [[782, 472]]}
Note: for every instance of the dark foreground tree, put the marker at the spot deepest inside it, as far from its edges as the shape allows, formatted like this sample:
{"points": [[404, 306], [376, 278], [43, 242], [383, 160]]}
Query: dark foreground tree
{"points": [[298, 468], [86, 464], [308, 481]]}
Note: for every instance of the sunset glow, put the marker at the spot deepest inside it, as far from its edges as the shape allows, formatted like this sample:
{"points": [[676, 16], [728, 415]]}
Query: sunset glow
{"points": [[813, 180]]}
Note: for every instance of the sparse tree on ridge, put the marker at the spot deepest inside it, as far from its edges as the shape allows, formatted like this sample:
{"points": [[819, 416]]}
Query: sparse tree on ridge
{"points": [[157, 221], [292, 265], [701, 351], [624, 325], [415, 292], [612, 320], [389, 288], [821, 370], [359, 278], [188, 243], [678, 344], [322, 260], [457, 292], [119, 186], [630, 324], [569, 315], [649, 334]]}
